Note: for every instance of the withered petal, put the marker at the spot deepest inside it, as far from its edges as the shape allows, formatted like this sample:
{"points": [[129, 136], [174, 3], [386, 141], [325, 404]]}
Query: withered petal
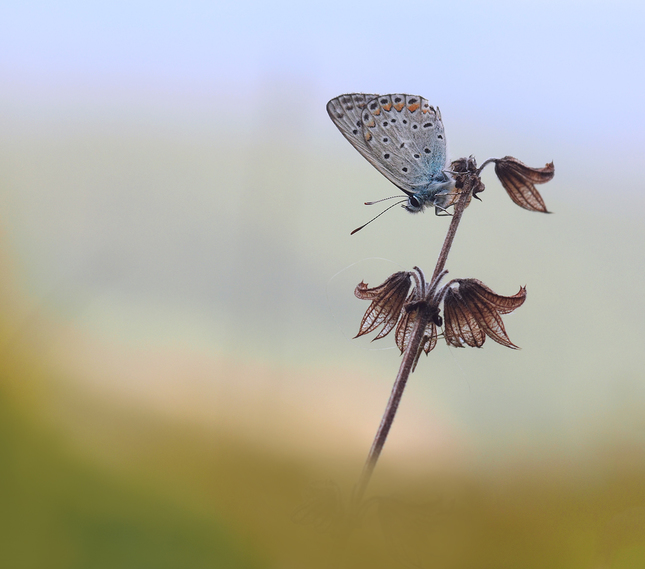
{"points": [[503, 304], [460, 326], [473, 311], [490, 322], [404, 332], [364, 292], [387, 303], [519, 182], [430, 338]]}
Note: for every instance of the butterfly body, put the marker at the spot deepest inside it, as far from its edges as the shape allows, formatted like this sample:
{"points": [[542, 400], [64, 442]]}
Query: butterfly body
{"points": [[402, 136]]}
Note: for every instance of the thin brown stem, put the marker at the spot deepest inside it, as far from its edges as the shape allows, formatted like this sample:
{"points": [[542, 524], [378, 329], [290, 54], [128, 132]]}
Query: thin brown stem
{"points": [[407, 364], [460, 206], [409, 358]]}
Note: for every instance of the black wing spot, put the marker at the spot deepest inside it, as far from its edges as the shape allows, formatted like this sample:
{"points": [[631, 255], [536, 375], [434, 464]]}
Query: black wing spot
{"points": [[386, 140], [404, 169], [412, 101], [440, 136], [386, 156], [415, 126], [426, 150], [393, 121], [359, 123], [385, 123], [405, 122], [397, 99], [383, 101], [355, 131], [373, 106], [402, 145], [416, 156], [366, 116], [427, 125]]}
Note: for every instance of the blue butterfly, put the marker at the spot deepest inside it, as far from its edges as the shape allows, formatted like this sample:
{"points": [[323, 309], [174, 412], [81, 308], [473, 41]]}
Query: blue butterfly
{"points": [[402, 136]]}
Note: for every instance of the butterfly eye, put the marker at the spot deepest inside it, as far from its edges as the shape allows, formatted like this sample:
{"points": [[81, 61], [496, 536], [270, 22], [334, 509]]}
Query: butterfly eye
{"points": [[414, 202]]}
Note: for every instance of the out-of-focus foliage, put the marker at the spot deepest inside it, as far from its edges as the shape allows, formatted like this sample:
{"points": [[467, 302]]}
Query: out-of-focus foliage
{"points": [[61, 509], [114, 486]]}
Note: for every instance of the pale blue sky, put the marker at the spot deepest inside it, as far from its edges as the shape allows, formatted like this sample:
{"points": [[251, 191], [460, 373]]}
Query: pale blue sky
{"points": [[570, 73], [581, 62]]}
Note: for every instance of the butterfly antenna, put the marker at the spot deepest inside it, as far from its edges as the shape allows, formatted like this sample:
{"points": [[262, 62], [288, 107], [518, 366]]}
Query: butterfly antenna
{"points": [[382, 200], [379, 215]]}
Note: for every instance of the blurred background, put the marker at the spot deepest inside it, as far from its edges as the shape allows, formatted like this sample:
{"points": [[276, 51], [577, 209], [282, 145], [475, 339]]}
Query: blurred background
{"points": [[177, 284]]}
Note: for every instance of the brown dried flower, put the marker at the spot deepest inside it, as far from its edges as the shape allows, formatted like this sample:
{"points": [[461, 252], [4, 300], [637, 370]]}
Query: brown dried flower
{"points": [[472, 311], [387, 303], [519, 181]]}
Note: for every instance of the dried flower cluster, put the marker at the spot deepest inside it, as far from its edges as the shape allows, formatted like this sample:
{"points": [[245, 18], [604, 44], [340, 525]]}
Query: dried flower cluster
{"points": [[466, 309], [517, 178], [471, 310]]}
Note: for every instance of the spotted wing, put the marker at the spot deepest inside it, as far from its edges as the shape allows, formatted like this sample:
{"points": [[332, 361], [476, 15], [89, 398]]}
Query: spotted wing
{"points": [[345, 111], [406, 137], [402, 136]]}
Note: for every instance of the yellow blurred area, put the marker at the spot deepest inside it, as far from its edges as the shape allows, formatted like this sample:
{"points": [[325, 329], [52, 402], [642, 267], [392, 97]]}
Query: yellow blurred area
{"points": [[96, 474]]}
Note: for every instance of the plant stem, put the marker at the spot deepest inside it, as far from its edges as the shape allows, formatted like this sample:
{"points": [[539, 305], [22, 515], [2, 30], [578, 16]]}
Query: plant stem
{"points": [[460, 206], [405, 369], [409, 357]]}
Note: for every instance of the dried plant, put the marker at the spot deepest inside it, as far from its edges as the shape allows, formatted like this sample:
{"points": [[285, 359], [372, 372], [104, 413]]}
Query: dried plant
{"points": [[402, 136], [466, 309]]}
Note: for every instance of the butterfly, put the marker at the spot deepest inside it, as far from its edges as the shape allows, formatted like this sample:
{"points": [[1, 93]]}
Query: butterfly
{"points": [[402, 136]]}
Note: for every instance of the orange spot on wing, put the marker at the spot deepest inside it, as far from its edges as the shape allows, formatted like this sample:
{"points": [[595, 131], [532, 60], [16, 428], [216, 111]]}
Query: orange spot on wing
{"points": [[377, 112], [388, 106], [399, 106], [413, 108], [368, 137]]}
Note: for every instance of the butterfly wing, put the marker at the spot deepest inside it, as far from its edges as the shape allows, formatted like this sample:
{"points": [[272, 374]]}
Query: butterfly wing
{"points": [[402, 136], [345, 112], [407, 137]]}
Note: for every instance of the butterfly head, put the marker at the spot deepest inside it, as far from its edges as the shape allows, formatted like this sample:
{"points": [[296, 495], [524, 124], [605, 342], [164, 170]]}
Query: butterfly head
{"points": [[436, 194], [414, 204]]}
